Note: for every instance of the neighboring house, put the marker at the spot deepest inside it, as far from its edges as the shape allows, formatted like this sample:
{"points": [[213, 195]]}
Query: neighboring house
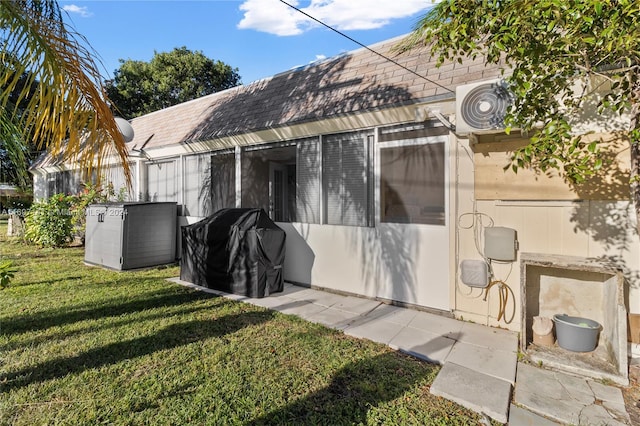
{"points": [[377, 196]]}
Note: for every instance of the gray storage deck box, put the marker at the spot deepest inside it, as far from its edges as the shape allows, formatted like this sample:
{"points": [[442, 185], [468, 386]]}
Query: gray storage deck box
{"points": [[130, 235]]}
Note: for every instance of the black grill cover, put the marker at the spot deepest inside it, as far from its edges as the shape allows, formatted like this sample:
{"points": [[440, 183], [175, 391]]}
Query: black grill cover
{"points": [[239, 251]]}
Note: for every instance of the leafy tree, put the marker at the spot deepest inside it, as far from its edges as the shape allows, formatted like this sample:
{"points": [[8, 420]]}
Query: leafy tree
{"points": [[17, 149], [170, 78], [549, 46], [51, 92]]}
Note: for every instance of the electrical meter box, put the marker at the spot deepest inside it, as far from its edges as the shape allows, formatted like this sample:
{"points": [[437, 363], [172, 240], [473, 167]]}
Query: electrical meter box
{"points": [[131, 235], [500, 243]]}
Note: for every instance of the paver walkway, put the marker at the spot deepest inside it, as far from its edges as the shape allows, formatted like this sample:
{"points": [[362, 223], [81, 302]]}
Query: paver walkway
{"points": [[478, 362]]}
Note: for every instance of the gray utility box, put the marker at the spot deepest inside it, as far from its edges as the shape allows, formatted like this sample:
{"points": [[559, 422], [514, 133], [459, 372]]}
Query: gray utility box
{"points": [[130, 235]]}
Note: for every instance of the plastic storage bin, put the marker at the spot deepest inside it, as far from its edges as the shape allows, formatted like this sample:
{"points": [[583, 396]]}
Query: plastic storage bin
{"points": [[575, 333]]}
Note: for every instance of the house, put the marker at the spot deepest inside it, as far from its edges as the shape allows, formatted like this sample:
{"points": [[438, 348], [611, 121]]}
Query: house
{"points": [[354, 158]]}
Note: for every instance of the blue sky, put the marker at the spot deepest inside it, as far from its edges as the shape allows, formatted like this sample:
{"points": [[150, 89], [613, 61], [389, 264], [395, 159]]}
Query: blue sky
{"points": [[259, 37]]}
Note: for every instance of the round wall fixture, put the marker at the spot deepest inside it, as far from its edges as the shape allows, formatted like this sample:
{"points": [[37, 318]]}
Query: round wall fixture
{"points": [[125, 128], [485, 106]]}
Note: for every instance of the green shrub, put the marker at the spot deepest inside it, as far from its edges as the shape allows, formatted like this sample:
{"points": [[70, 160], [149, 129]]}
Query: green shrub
{"points": [[90, 195], [49, 223], [6, 273]]}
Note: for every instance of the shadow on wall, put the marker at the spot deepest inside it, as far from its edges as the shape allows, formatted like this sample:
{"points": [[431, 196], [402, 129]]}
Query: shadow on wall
{"points": [[608, 223], [612, 179], [387, 256], [321, 91], [299, 258], [218, 186]]}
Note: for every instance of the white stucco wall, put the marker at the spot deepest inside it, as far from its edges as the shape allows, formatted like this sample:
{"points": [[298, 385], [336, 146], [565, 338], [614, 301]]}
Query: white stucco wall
{"points": [[404, 263]]}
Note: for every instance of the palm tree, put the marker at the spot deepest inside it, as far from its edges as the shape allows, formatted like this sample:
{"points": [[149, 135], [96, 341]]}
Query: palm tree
{"points": [[62, 106]]}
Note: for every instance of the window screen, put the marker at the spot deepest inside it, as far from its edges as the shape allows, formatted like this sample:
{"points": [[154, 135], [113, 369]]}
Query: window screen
{"points": [[114, 176], [412, 184], [161, 181], [222, 185], [196, 191]]}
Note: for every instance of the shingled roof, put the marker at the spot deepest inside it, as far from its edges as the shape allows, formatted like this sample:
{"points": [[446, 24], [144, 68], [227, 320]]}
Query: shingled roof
{"points": [[353, 82], [350, 83]]}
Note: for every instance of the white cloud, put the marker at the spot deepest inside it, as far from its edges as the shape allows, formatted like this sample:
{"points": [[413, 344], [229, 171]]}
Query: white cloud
{"points": [[274, 17], [271, 16], [80, 10]]}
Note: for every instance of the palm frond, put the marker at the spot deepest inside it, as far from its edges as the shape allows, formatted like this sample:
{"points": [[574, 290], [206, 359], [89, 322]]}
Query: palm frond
{"points": [[69, 115], [15, 148]]}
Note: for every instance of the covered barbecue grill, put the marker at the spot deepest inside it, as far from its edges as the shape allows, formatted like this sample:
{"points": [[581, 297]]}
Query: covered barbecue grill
{"points": [[239, 251]]}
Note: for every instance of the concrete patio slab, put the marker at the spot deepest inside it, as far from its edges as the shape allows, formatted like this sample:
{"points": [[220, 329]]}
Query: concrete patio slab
{"points": [[271, 302], [521, 417], [301, 308], [333, 318], [422, 344], [394, 314], [377, 330], [356, 305], [474, 390], [568, 399], [493, 362], [437, 324], [489, 337], [318, 297]]}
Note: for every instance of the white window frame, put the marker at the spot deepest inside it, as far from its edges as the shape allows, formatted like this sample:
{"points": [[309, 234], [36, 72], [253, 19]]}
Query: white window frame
{"points": [[424, 140]]}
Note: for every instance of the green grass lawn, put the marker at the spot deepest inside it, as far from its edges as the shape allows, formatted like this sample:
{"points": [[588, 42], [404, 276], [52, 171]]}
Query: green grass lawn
{"points": [[82, 345]]}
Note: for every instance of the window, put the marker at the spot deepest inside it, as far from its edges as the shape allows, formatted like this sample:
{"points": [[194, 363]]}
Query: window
{"points": [[195, 170], [222, 185], [269, 179], [114, 176], [161, 181], [311, 180], [64, 182], [412, 176], [346, 172]]}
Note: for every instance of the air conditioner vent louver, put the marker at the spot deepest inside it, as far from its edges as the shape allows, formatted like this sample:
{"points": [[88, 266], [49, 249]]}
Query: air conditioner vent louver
{"points": [[482, 106]]}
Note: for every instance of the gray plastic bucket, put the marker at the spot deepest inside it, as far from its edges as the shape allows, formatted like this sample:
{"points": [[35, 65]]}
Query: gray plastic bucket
{"points": [[575, 333]]}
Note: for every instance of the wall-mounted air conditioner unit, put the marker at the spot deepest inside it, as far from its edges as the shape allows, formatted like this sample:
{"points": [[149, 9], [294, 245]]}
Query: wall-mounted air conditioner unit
{"points": [[481, 107]]}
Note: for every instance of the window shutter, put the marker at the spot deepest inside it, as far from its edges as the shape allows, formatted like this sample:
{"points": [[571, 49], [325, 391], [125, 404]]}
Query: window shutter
{"points": [[308, 182], [332, 176], [346, 179], [355, 190]]}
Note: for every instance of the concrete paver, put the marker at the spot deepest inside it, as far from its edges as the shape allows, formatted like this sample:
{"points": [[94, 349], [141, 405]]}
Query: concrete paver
{"points": [[301, 308], [378, 330], [422, 344], [493, 362], [394, 314], [437, 324], [569, 399], [333, 318], [473, 390], [356, 305], [521, 417], [489, 337]]}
